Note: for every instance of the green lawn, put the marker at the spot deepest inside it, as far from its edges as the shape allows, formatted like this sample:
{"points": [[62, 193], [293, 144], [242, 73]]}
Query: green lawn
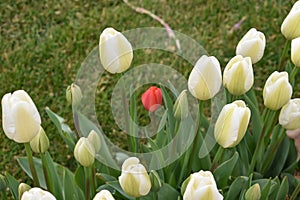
{"points": [[43, 44]]}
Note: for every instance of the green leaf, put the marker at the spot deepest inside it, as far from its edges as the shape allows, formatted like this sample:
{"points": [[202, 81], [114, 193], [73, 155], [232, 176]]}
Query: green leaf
{"points": [[283, 189], [224, 171], [116, 185], [63, 129], [80, 177], [13, 185], [169, 107], [239, 184], [105, 177], [167, 192], [265, 185]]}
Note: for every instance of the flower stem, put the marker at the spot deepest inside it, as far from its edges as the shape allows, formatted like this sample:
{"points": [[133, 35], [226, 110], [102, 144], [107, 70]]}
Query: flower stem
{"points": [[87, 183], [283, 55], [48, 178], [217, 158], [293, 74], [31, 165]]}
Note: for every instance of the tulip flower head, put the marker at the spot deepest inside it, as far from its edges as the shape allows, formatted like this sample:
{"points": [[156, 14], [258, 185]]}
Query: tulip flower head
{"points": [[252, 45], [290, 26], [115, 51], [289, 117], [181, 107], [295, 51], [94, 139], [37, 194], [73, 94], [202, 185], [134, 179], [232, 124], [40, 143], [152, 99], [205, 79], [84, 152], [238, 75], [277, 90], [104, 195], [20, 117]]}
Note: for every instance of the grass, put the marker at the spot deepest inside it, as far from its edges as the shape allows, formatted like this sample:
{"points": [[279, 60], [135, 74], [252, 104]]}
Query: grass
{"points": [[43, 45]]}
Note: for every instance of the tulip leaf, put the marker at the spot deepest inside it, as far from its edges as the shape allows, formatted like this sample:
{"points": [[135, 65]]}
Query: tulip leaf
{"points": [[80, 177], [116, 185], [223, 172], [13, 185], [265, 185], [64, 130], [105, 177], [239, 184], [167, 192], [283, 189]]}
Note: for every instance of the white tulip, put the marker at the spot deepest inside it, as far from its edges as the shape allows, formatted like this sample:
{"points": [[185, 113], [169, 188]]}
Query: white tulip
{"points": [[84, 152], [205, 79], [290, 26], [115, 51], [238, 75], [289, 117], [232, 124], [104, 195], [94, 139], [134, 179], [37, 194], [252, 45], [277, 90], [295, 51], [202, 186], [20, 117]]}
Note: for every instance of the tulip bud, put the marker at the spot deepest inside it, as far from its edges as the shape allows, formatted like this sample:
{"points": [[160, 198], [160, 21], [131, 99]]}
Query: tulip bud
{"points": [[277, 90], [238, 75], [3, 183], [94, 140], [37, 193], [115, 51], [152, 99], [84, 152], [20, 118], [181, 106], [289, 117], [104, 195], [295, 51], [252, 45], [253, 193], [23, 187], [232, 124], [40, 143], [205, 79], [134, 179], [290, 27], [155, 180], [73, 94], [201, 185]]}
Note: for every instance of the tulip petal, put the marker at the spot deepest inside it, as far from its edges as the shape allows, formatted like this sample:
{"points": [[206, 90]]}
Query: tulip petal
{"points": [[8, 121]]}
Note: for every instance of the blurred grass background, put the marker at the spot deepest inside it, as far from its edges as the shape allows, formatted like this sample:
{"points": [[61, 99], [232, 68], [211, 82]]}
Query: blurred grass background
{"points": [[44, 42]]}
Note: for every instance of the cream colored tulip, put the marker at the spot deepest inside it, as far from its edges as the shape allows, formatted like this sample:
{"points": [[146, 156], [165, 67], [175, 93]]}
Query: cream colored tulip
{"points": [[104, 195], [253, 193], [37, 194], [277, 90], [73, 94], [289, 117], [202, 186], [134, 179], [20, 117], [295, 51], [232, 124], [205, 79], [238, 75], [84, 152], [181, 106], [252, 45], [94, 140], [290, 26], [40, 143], [115, 51]]}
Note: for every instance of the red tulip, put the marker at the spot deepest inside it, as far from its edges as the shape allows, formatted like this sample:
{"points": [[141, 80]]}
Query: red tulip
{"points": [[152, 98]]}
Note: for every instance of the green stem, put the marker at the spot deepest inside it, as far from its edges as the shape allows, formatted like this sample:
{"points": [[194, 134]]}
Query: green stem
{"points": [[283, 55], [31, 165], [93, 182], [217, 158], [48, 178], [155, 195], [273, 150], [87, 183], [296, 192], [293, 74]]}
